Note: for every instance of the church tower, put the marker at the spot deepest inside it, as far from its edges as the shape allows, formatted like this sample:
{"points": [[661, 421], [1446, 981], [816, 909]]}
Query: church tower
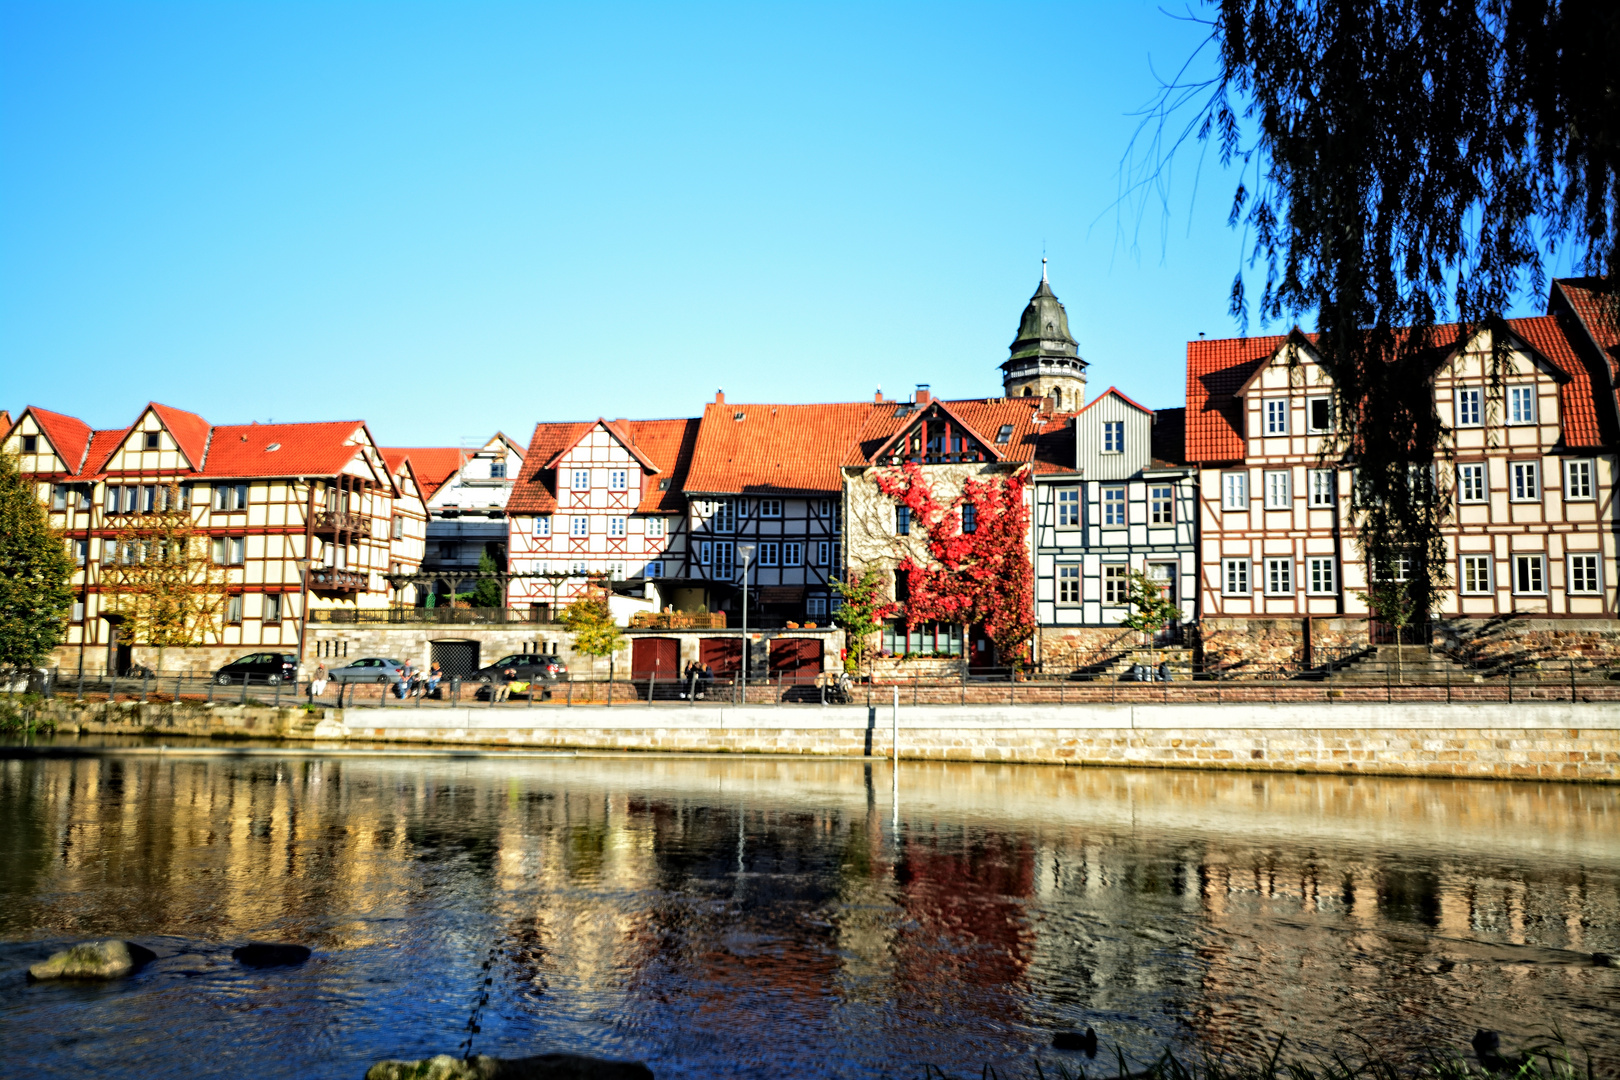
{"points": [[1045, 360]]}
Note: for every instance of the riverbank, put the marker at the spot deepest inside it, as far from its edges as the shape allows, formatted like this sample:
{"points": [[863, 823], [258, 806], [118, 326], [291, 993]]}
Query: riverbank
{"points": [[1537, 740]]}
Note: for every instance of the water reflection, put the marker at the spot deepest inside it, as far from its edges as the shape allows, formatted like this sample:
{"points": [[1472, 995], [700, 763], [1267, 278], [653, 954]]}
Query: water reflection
{"points": [[764, 917]]}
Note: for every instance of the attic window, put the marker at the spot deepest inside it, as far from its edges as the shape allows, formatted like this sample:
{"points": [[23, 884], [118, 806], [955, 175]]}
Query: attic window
{"points": [[151, 442], [738, 415], [902, 410], [1004, 434], [663, 485], [272, 447]]}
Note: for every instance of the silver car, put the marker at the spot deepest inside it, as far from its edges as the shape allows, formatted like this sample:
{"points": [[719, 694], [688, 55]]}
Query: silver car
{"points": [[372, 669]]}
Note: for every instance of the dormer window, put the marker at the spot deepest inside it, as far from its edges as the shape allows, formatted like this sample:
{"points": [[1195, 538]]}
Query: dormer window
{"points": [[1113, 437]]}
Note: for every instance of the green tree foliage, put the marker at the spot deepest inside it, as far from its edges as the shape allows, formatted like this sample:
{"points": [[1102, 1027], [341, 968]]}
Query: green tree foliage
{"points": [[590, 620], [861, 614], [488, 593], [1406, 164], [35, 575], [1150, 609]]}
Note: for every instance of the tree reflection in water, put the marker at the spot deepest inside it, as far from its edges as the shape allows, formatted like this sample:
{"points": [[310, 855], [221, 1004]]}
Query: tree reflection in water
{"points": [[761, 917]]}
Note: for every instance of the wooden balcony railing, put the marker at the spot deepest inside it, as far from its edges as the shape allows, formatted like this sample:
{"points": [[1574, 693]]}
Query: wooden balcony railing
{"points": [[322, 579], [678, 620], [336, 521]]}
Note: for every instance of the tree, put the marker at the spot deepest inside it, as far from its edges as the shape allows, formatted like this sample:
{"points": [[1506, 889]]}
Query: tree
{"points": [[161, 577], [36, 593], [1150, 607], [1414, 162], [982, 577], [590, 620], [861, 613], [488, 593]]}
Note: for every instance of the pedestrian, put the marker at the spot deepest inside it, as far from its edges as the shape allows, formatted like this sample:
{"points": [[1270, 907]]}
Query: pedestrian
{"points": [[501, 688], [317, 684], [402, 688], [433, 677], [705, 680], [1164, 671]]}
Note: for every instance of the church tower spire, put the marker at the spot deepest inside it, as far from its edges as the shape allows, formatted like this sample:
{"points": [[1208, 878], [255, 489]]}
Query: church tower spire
{"points": [[1045, 359]]}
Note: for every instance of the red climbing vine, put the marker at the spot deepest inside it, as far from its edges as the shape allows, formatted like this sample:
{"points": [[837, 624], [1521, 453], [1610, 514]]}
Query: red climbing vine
{"points": [[978, 578]]}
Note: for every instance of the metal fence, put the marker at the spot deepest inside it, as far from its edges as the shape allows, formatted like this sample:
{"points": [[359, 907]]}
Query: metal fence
{"points": [[404, 616], [1567, 681]]}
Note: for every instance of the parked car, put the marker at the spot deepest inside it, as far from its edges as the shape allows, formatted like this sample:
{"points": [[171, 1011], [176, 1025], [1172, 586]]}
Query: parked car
{"points": [[269, 668], [370, 669], [530, 667]]}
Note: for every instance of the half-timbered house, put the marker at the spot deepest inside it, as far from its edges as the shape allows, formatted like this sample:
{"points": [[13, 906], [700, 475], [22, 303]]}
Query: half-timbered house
{"points": [[466, 490], [298, 518]]}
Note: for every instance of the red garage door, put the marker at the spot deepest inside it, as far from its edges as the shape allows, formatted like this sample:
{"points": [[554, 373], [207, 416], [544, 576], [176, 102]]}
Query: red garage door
{"points": [[723, 654], [658, 657], [796, 659]]}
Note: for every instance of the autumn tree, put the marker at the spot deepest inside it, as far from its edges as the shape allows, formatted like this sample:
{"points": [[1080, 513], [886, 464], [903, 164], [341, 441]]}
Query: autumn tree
{"points": [[590, 620], [161, 576], [861, 613], [1407, 167], [1150, 607], [975, 574], [35, 575]]}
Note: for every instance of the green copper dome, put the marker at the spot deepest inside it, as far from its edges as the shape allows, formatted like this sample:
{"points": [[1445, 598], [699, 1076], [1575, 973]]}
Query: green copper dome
{"points": [[1044, 329]]}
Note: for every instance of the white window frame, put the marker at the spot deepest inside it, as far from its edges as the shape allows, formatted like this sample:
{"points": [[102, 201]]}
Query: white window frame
{"points": [[655, 526], [581, 480], [1279, 488], [1161, 504], [1068, 508], [1116, 584], [1479, 568], [1279, 575], [1234, 490], [1113, 436], [1536, 563], [1323, 488], [1589, 561], [579, 525], [542, 525], [1468, 407], [1275, 416], [1311, 427], [1521, 404], [1115, 497], [1068, 578], [616, 527], [1524, 481], [618, 479], [1235, 577], [1473, 482], [1578, 485], [1321, 575]]}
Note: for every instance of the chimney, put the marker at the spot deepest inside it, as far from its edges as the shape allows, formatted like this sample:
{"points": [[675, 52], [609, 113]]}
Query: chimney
{"points": [[923, 395], [719, 397], [877, 395]]}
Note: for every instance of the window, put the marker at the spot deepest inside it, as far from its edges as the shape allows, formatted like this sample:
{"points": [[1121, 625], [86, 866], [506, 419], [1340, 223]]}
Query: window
{"points": [[1471, 482], [837, 559], [578, 567], [705, 552], [1235, 577], [1319, 576], [771, 508], [1277, 493], [1521, 404], [618, 480], [272, 608], [655, 569], [725, 516], [970, 518], [78, 611], [1403, 568], [742, 508], [233, 610], [542, 525], [823, 552], [927, 639], [30, 444], [615, 526], [1004, 434], [1528, 575], [1279, 577], [769, 553], [396, 528], [81, 552], [1322, 487], [228, 550], [792, 553], [449, 551], [902, 520], [579, 525], [148, 498], [151, 441], [1113, 437], [1578, 479], [1583, 574], [1068, 508], [581, 480], [1526, 481], [815, 606], [59, 494], [1116, 583], [226, 497], [1318, 415], [1068, 584], [1161, 505], [1235, 492], [1113, 506], [1276, 416], [1476, 574], [655, 526], [615, 571], [497, 470], [725, 565], [1469, 411]]}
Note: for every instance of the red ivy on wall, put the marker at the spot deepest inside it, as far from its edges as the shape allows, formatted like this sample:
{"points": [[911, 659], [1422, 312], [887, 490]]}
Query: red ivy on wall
{"points": [[982, 578]]}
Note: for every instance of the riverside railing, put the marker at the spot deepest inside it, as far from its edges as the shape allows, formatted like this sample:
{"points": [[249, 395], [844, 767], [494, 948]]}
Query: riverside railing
{"points": [[1548, 681]]}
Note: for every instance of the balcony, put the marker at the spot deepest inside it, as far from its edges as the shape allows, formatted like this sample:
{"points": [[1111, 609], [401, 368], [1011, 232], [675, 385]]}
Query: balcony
{"points": [[332, 522], [410, 616], [324, 579], [678, 620]]}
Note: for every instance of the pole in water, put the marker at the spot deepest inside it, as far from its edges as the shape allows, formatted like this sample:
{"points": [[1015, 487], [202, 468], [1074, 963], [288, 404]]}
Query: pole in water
{"points": [[895, 734]]}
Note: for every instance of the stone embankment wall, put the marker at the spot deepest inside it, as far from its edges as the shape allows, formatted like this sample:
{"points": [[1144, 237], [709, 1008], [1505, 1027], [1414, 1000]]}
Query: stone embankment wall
{"points": [[1537, 740], [1261, 644]]}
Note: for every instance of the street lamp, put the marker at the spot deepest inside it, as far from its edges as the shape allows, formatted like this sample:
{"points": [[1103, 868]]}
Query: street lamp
{"points": [[745, 552]]}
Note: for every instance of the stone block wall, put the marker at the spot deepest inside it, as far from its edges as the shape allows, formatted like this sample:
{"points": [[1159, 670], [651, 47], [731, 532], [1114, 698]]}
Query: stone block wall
{"points": [[1258, 647], [1521, 641]]}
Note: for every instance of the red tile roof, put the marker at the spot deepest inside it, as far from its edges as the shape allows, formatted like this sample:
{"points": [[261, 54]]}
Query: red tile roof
{"points": [[5, 423], [433, 465], [320, 449], [663, 446], [669, 445], [68, 435], [983, 416], [1577, 401], [743, 448], [1589, 305], [102, 445], [189, 430], [535, 491]]}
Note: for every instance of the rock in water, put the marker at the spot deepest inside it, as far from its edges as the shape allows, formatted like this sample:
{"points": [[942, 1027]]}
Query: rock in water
{"points": [[1075, 1040], [542, 1067], [266, 954], [93, 960]]}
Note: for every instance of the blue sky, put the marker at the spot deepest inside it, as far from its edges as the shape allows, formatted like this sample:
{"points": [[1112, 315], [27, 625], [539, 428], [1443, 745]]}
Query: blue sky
{"points": [[451, 218]]}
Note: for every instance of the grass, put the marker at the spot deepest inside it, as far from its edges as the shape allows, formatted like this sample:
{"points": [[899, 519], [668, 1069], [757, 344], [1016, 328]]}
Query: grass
{"points": [[20, 715]]}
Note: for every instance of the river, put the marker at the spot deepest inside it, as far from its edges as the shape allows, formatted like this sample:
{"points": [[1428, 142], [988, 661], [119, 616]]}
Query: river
{"points": [[753, 917]]}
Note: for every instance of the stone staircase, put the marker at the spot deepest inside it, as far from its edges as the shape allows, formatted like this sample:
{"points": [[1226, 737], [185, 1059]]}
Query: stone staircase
{"points": [[1402, 663], [1180, 659]]}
